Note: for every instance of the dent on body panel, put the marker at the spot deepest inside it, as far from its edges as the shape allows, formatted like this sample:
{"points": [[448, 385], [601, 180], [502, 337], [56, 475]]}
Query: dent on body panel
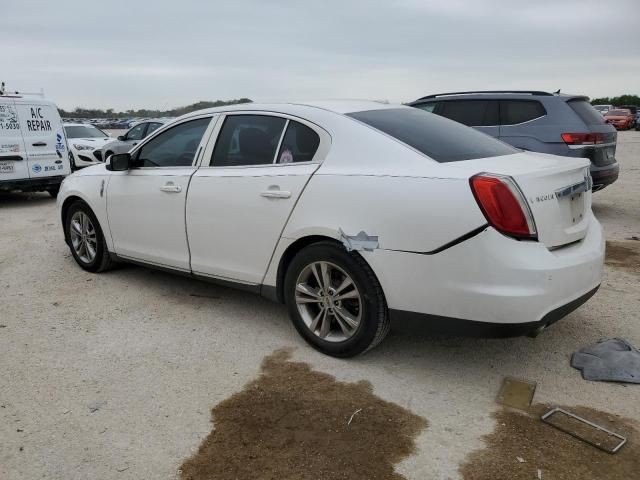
{"points": [[393, 213]]}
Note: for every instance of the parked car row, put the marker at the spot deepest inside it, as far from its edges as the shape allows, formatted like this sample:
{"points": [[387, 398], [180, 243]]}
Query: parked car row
{"points": [[111, 123], [623, 117]]}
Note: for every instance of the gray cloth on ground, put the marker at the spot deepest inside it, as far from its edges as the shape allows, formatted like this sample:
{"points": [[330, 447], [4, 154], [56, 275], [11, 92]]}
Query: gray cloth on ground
{"points": [[611, 360]]}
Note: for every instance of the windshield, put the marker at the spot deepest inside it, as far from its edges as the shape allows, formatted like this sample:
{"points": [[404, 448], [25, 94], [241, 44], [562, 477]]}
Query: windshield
{"points": [[437, 137], [618, 113], [84, 132]]}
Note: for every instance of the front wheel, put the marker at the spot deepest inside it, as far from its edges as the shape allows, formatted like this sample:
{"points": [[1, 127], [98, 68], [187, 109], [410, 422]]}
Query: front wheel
{"points": [[86, 241], [335, 300]]}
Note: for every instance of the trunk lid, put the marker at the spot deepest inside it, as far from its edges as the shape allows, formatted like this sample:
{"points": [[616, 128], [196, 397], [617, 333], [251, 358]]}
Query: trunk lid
{"points": [[557, 190]]}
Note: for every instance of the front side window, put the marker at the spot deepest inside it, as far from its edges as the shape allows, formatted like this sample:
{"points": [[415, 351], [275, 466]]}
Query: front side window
{"points": [[473, 113], [513, 112], [247, 140], [298, 145], [175, 147], [435, 136], [137, 132]]}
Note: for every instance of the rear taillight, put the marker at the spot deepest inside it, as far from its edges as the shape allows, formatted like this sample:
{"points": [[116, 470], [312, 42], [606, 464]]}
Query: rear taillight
{"points": [[503, 205], [582, 138]]}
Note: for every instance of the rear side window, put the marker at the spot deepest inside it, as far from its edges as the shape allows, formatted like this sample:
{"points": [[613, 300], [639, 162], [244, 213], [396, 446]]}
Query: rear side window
{"points": [[519, 111], [473, 113], [435, 136], [588, 114], [248, 140], [299, 144]]}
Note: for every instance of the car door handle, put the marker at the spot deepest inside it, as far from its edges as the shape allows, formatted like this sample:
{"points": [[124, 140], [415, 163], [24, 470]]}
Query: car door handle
{"points": [[171, 188], [275, 192], [39, 144]]}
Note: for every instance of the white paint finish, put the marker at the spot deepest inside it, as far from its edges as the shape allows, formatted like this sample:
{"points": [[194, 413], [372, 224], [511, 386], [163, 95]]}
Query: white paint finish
{"points": [[559, 220], [233, 228], [47, 151], [11, 143], [366, 182], [86, 185], [491, 278], [146, 222], [416, 214]]}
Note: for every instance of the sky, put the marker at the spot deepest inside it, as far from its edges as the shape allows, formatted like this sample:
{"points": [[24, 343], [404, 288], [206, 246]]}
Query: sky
{"points": [[169, 53]]}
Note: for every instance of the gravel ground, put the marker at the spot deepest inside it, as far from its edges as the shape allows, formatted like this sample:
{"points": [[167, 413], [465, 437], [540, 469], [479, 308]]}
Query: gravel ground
{"points": [[113, 376]]}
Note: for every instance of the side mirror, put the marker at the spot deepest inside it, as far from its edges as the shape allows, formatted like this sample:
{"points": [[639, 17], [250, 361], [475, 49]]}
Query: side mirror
{"points": [[122, 138], [119, 162]]}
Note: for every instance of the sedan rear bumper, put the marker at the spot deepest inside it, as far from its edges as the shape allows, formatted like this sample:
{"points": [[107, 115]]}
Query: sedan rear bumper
{"points": [[492, 280]]}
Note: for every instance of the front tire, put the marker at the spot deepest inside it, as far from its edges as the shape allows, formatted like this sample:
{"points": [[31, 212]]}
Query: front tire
{"points": [[86, 240], [335, 300]]}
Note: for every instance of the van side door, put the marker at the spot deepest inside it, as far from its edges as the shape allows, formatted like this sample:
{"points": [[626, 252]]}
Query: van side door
{"points": [[44, 139], [13, 157]]}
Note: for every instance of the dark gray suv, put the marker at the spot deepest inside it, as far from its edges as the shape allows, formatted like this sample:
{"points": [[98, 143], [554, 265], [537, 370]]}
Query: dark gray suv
{"points": [[544, 122]]}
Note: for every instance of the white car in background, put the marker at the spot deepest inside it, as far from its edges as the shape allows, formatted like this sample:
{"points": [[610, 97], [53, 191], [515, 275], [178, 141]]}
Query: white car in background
{"points": [[131, 138], [85, 143], [603, 109], [351, 213]]}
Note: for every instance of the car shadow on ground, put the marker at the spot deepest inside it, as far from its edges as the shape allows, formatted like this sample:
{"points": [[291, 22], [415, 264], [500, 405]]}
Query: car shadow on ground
{"points": [[19, 199], [407, 343]]}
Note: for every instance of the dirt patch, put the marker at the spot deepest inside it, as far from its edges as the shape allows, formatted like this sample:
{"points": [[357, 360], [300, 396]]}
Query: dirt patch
{"points": [[624, 255], [293, 423], [558, 455]]}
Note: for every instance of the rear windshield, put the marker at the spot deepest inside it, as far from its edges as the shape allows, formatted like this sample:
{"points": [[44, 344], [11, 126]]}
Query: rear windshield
{"points": [[437, 137], [588, 114]]}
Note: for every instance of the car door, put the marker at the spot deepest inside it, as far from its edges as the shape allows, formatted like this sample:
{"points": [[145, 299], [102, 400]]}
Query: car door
{"points": [[241, 197], [13, 156], [146, 204], [44, 139]]}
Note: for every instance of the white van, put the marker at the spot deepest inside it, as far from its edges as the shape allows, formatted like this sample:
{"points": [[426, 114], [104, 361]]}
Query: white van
{"points": [[34, 156]]}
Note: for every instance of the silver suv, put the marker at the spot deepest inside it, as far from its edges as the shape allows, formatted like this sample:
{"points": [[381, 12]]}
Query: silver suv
{"points": [[544, 122]]}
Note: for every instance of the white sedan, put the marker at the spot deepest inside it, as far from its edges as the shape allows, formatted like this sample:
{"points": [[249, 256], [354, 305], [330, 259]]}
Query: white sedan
{"points": [[85, 142], [351, 213]]}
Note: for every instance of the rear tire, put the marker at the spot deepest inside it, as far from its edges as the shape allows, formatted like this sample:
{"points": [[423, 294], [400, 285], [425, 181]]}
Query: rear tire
{"points": [[356, 315], [86, 240], [53, 191]]}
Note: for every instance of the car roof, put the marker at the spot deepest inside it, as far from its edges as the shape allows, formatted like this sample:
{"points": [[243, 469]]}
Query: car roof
{"points": [[293, 108], [499, 94]]}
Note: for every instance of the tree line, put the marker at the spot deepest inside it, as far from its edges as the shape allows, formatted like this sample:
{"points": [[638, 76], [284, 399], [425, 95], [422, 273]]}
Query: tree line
{"points": [[617, 101], [81, 112]]}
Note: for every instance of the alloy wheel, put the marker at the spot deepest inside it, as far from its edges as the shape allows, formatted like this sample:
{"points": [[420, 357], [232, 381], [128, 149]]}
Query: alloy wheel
{"points": [[328, 301], [83, 237]]}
